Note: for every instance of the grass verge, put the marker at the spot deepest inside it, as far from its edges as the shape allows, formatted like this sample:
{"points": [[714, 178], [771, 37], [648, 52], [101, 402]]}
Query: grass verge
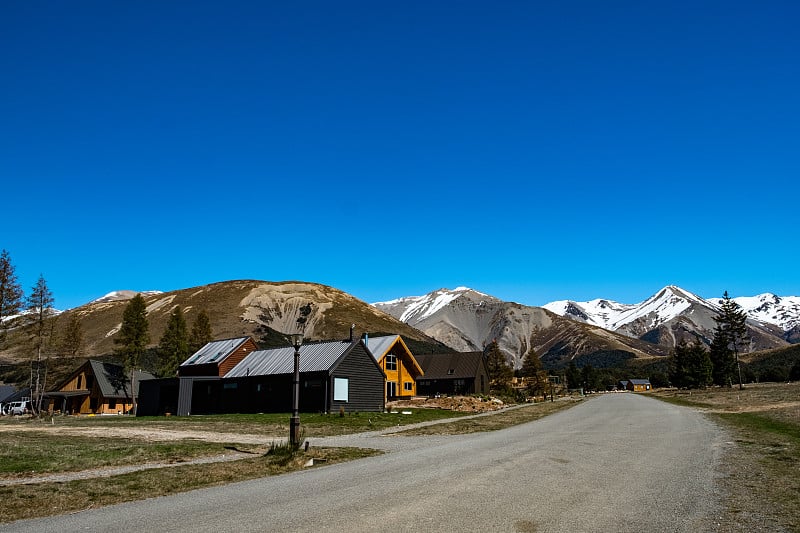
{"points": [[46, 499], [761, 473], [494, 421]]}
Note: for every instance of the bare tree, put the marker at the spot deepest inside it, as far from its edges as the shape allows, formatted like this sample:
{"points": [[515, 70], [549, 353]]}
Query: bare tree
{"points": [[40, 306]]}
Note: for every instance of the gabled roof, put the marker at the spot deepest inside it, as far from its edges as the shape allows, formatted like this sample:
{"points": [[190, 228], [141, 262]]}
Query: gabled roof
{"points": [[18, 395], [6, 391], [380, 346], [317, 357], [463, 365], [214, 351], [113, 381], [639, 381]]}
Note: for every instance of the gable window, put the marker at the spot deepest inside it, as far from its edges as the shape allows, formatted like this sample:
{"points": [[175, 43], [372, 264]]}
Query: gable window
{"points": [[80, 382], [408, 386], [391, 362]]}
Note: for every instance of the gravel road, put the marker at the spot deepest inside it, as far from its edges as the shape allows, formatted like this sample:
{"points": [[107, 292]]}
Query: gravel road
{"points": [[621, 462]]}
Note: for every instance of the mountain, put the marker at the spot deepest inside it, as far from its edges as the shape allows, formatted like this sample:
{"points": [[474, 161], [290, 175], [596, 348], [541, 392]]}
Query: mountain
{"points": [[768, 308], [117, 296], [236, 308], [674, 314], [468, 320]]}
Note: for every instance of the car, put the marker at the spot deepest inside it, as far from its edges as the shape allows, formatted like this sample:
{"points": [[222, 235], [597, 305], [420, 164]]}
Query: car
{"points": [[18, 408]]}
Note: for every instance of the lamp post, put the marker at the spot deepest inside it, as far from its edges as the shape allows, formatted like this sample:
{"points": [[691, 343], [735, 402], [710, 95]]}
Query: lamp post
{"points": [[294, 422]]}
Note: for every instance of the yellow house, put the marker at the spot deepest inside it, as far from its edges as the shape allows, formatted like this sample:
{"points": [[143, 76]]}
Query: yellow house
{"points": [[96, 388], [398, 363]]}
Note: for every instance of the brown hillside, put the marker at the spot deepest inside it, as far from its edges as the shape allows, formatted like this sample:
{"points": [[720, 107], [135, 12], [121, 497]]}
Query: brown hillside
{"points": [[235, 308]]}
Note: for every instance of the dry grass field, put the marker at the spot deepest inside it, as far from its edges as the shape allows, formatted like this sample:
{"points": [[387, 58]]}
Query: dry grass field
{"points": [[761, 471]]}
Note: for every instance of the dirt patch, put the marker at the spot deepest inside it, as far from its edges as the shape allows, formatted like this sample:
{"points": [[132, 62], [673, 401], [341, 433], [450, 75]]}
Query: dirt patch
{"points": [[463, 404], [148, 434]]}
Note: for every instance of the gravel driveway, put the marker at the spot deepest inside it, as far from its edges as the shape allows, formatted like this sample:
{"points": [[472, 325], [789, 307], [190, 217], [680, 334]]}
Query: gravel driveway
{"points": [[617, 463]]}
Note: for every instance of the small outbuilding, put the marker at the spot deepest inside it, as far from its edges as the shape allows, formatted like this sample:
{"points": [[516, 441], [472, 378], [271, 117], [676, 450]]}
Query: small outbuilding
{"points": [[638, 385]]}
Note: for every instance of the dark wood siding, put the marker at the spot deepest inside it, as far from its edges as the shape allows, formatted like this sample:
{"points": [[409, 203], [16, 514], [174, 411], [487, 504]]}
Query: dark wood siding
{"points": [[365, 382]]}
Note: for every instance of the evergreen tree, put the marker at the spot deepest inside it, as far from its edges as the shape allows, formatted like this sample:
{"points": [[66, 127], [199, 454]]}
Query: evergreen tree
{"points": [[201, 332], [691, 366], [173, 348], [71, 337], [573, 376], [730, 336], [133, 337], [500, 372], [589, 378], [794, 372], [535, 375], [10, 292], [40, 306]]}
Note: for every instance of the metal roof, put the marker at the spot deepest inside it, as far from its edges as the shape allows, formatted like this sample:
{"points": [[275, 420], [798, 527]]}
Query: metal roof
{"points": [[214, 351], [639, 381], [378, 346], [113, 381], [464, 365], [318, 357]]}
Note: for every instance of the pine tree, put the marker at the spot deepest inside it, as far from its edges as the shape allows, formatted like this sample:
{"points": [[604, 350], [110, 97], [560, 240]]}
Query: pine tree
{"points": [[40, 306], [691, 366], [573, 376], [71, 337], [201, 332], [534, 373], [133, 338], [10, 292], [730, 336], [173, 348], [500, 372]]}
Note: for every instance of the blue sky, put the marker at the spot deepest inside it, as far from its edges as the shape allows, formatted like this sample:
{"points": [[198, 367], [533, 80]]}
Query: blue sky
{"points": [[534, 151]]}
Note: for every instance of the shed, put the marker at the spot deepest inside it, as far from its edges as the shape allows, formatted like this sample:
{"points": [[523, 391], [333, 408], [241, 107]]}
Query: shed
{"points": [[453, 373], [398, 364], [639, 385]]}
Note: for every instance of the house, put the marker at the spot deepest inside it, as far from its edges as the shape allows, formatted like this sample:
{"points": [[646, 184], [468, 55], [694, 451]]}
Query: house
{"points": [[622, 385], [453, 373], [398, 363], [96, 388], [216, 358], [638, 385], [333, 375]]}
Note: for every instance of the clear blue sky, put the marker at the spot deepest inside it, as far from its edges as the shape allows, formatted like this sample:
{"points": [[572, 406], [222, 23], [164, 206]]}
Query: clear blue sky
{"points": [[531, 150]]}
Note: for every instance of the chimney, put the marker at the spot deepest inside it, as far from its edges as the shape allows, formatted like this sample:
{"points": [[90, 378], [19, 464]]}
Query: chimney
{"points": [[366, 339], [352, 328]]}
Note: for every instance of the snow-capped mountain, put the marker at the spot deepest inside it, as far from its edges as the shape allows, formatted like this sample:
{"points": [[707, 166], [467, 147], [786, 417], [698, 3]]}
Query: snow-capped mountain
{"points": [[117, 296], [674, 314], [597, 312], [768, 308], [468, 320], [414, 309]]}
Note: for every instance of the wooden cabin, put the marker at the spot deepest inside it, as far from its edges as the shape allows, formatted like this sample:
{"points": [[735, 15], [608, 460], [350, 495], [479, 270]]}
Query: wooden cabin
{"points": [[96, 388], [398, 364]]}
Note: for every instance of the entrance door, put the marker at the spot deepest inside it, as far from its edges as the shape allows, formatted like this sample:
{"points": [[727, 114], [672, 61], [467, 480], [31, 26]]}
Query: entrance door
{"points": [[391, 389]]}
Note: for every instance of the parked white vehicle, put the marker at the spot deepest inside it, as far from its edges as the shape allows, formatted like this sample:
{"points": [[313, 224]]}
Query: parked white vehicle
{"points": [[18, 408]]}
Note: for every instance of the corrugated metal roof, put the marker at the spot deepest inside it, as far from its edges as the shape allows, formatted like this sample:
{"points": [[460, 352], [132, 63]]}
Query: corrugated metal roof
{"points": [[378, 346], [451, 365], [113, 381], [319, 357], [214, 351]]}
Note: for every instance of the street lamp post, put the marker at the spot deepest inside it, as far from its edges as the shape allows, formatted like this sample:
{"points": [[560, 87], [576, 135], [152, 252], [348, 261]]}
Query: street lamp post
{"points": [[294, 422]]}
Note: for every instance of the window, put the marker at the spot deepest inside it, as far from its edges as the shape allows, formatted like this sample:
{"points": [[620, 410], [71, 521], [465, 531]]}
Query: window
{"points": [[340, 389], [112, 404], [80, 382], [391, 362], [451, 371], [391, 389], [89, 381], [408, 386]]}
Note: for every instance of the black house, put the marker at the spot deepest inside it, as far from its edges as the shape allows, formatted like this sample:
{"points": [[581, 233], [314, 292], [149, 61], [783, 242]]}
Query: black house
{"points": [[453, 373], [333, 375]]}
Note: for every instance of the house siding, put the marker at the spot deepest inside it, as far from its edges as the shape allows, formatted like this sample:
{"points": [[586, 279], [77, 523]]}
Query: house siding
{"points": [[365, 382]]}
